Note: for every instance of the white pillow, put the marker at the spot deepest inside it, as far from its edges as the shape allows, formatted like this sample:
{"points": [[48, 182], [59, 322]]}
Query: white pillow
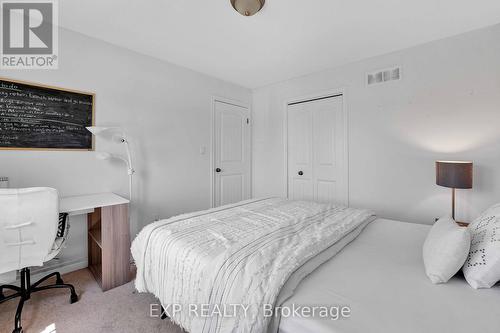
{"points": [[482, 267], [445, 249]]}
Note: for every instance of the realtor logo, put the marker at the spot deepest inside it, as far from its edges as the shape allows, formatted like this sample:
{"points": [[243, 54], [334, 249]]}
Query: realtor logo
{"points": [[29, 34]]}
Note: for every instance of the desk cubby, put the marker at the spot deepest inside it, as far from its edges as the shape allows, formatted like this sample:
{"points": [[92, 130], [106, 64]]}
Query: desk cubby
{"points": [[109, 245]]}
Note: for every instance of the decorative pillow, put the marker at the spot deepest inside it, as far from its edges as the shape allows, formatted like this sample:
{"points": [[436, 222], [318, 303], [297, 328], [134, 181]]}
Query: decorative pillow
{"points": [[445, 250], [482, 267]]}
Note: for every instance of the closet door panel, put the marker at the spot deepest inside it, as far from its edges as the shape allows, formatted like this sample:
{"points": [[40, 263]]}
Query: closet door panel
{"points": [[325, 146], [300, 177], [316, 151]]}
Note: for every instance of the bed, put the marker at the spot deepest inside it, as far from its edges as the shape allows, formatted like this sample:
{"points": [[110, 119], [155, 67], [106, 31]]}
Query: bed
{"points": [[285, 253], [381, 276]]}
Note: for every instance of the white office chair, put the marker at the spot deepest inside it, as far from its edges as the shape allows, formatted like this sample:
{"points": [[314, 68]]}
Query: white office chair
{"points": [[31, 233]]}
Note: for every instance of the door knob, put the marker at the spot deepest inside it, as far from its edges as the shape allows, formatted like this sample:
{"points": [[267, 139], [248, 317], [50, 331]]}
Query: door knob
{"points": [[218, 170], [300, 173]]}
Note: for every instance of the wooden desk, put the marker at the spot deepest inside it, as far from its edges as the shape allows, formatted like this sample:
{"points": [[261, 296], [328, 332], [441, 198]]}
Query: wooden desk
{"points": [[108, 235]]}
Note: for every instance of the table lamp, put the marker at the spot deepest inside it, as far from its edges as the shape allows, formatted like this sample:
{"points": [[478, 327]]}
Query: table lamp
{"points": [[454, 174]]}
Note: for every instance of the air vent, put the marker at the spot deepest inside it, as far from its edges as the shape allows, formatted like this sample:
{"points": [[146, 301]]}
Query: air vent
{"points": [[384, 75]]}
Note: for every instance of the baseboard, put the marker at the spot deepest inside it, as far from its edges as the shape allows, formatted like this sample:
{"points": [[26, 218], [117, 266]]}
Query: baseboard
{"points": [[61, 266]]}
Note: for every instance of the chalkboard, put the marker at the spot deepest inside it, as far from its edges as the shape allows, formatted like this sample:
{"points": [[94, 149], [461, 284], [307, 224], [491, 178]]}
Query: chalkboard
{"points": [[42, 117]]}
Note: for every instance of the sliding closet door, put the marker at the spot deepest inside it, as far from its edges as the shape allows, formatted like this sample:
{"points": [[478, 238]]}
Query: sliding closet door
{"points": [[328, 147], [232, 153], [316, 154], [300, 157]]}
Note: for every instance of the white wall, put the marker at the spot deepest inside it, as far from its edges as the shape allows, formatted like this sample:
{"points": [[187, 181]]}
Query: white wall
{"points": [[165, 109], [446, 107]]}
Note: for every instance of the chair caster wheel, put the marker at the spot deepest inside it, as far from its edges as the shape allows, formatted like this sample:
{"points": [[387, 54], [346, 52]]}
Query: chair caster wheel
{"points": [[74, 298], [18, 330]]}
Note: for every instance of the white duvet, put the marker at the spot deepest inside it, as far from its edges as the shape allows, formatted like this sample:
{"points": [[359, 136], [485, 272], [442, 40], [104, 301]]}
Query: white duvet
{"points": [[241, 254]]}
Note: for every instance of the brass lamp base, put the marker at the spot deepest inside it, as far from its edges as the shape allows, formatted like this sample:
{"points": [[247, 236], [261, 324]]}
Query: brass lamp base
{"points": [[453, 203]]}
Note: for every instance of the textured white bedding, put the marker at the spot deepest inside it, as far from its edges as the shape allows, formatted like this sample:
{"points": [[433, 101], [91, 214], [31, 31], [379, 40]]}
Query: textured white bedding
{"points": [[238, 254], [381, 276]]}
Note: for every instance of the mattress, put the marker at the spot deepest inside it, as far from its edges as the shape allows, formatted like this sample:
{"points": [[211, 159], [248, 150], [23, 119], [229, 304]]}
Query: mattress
{"points": [[380, 277]]}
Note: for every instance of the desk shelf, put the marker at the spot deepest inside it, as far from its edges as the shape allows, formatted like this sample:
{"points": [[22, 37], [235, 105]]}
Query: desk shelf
{"points": [[95, 235], [109, 245]]}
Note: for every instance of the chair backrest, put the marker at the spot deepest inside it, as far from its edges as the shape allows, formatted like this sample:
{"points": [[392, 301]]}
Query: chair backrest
{"points": [[28, 226]]}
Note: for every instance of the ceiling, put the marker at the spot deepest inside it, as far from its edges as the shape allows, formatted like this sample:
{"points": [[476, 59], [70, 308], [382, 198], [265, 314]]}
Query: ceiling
{"points": [[288, 38]]}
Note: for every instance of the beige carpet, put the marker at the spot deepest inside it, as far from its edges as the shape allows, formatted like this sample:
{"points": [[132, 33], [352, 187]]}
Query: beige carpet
{"points": [[119, 310]]}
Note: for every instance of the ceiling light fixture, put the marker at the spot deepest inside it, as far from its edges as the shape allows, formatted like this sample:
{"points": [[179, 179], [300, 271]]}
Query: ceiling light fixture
{"points": [[247, 7]]}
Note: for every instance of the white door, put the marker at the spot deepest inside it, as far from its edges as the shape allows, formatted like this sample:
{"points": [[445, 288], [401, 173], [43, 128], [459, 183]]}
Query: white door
{"points": [[316, 155], [232, 153]]}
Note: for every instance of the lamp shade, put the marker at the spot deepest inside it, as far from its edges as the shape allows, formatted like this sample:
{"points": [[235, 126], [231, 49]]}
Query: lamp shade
{"points": [[102, 155], [454, 174], [96, 130]]}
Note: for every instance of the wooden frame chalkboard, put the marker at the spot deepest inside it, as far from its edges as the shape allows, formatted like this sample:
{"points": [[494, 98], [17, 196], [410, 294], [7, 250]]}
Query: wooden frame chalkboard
{"points": [[40, 117]]}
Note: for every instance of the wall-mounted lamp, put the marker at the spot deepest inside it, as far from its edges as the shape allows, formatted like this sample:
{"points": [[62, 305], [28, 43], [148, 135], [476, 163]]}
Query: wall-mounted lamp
{"points": [[117, 135]]}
